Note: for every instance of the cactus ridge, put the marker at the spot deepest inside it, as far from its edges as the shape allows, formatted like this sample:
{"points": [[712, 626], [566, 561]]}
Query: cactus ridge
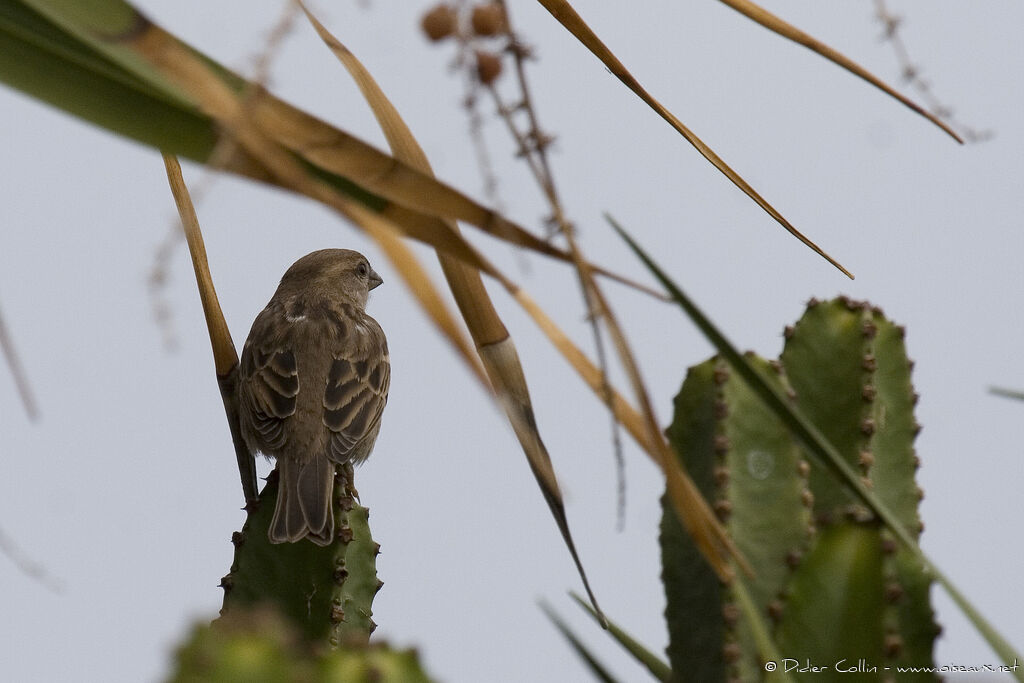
{"points": [[325, 591], [816, 554]]}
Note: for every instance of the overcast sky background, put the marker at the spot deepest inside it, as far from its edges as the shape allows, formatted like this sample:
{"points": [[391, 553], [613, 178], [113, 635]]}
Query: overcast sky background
{"points": [[126, 488]]}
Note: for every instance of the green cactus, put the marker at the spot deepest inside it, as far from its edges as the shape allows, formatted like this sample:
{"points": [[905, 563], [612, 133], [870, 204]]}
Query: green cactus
{"points": [[259, 645], [327, 592], [829, 581]]}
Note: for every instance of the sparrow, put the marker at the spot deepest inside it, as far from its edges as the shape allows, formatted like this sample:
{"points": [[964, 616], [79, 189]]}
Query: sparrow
{"points": [[313, 382]]}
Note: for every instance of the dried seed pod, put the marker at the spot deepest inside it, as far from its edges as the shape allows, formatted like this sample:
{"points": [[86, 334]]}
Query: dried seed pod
{"points": [[488, 67], [488, 20], [440, 22]]}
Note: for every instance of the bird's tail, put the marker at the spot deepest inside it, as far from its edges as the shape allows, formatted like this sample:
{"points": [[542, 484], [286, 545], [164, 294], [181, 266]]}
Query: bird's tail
{"points": [[304, 502]]}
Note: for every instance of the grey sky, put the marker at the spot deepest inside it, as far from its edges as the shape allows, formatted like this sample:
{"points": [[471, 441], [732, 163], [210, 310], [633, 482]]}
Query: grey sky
{"points": [[126, 489]]}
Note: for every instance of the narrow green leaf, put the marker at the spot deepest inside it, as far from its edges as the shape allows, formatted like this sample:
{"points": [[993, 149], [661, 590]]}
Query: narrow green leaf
{"points": [[595, 666], [1007, 393], [658, 668]]}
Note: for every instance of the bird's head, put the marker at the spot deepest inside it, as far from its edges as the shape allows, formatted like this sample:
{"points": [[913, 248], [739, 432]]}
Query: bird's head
{"points": [[332, 272]]}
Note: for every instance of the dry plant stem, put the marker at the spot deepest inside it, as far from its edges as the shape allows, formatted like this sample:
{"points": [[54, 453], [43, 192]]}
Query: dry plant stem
{"points": [[225, 359], [537, 158], [912, 75], [689, 505], [494, 344], [17, 372], [564, 13], [774, 23], [692, 509], [223, 150]]}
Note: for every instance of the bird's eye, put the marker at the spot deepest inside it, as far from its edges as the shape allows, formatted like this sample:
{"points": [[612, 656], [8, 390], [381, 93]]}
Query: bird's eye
{"points": [[363, 270]]}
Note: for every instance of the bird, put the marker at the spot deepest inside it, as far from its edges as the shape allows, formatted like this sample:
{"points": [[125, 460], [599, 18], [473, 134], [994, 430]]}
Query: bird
{"points": [[313, 382]]}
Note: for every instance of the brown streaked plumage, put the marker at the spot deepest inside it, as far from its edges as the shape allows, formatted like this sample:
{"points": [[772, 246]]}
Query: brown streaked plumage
{"points": [[313, 383]]}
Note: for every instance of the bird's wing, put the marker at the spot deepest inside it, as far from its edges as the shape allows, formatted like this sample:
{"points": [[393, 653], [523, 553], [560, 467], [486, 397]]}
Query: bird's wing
{"points": [[270, 380], [357, 389]]}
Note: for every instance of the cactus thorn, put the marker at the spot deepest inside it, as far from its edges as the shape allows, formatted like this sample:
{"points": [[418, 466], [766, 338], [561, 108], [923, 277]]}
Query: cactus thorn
{"points": [[893, 645], [237, 538], [730, 613], [339, 575], [859, 514], [889, 545], [867, 426], [731, 652], [920, 493], [227, 582], [720, 375], [812, 302], [776, 366], [721, 444], [916, 428], [866, 459], [787, 332], [794, 558], [337, 614], [803, 468], [869, 330], [807, 498], [721, 475], [345, 534], [869, 364], [380, 584], [775, 611], [869, 392], [893, 592], [723, 508], [721, 410]]}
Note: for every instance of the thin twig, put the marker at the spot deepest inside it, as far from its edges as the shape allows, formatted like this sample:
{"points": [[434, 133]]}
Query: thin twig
{"points": [[17, 372], [533, 146], [31, 568], [1007, 393], [911, 73]]}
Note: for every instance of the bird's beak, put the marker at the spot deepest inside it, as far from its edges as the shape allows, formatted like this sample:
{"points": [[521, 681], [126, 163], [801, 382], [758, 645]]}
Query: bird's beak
{"points": [[375, 280]]}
